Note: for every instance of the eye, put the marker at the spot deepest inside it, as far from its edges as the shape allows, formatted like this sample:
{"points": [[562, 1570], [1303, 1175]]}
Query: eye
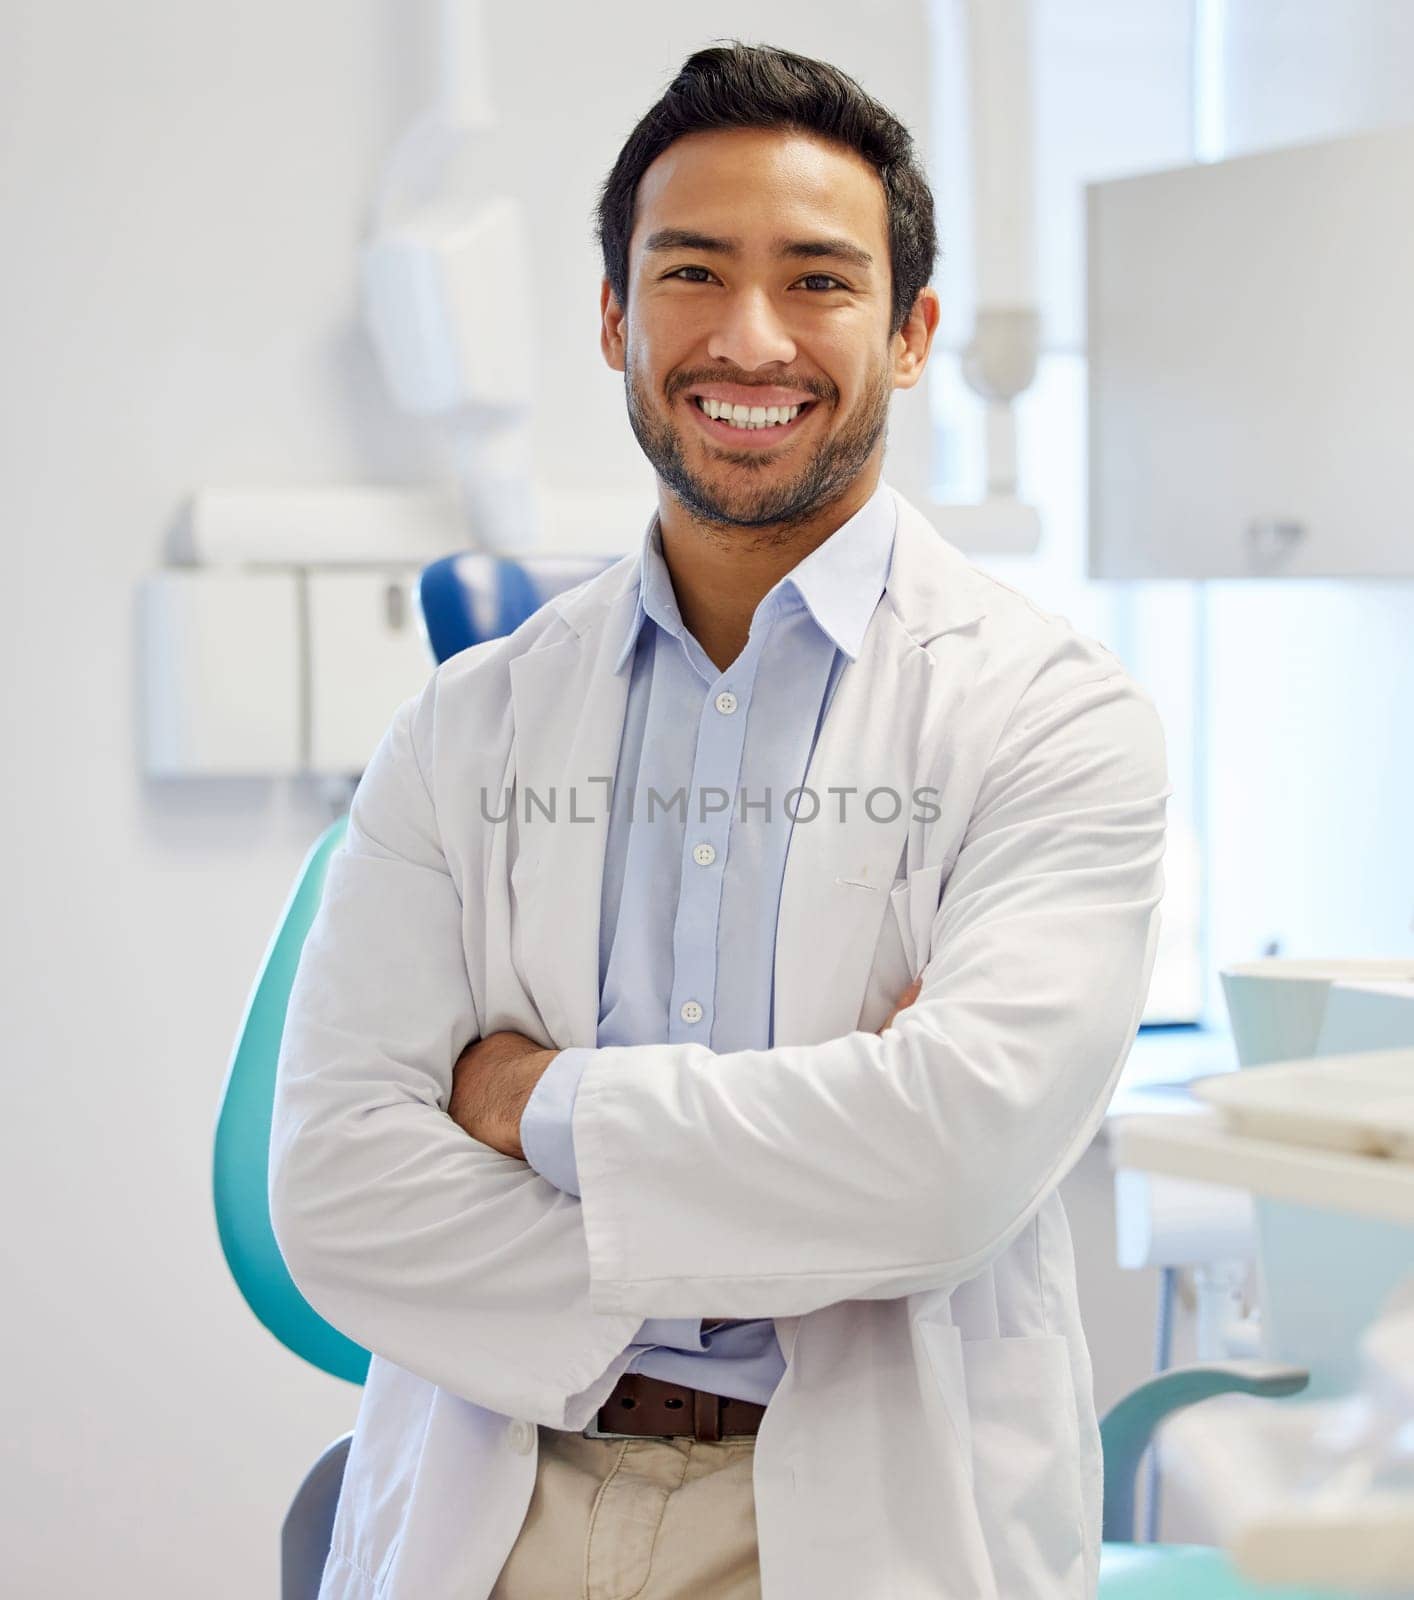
{"points": [[829, 281]]}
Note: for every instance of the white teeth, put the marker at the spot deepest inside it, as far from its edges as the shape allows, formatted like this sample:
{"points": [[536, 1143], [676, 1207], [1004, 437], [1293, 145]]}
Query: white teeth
{"points": [[748, 417]]}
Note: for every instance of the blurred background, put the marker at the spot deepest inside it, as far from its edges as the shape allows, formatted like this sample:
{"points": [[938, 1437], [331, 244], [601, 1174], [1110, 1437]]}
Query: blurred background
{"points": [[194, 391]]}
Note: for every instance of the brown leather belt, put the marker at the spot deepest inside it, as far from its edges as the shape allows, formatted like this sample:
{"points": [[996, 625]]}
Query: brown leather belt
{"points": [[644, 1407]]}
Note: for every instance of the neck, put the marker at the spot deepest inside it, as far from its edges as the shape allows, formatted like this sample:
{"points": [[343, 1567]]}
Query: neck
{"points": [[720, 574]]}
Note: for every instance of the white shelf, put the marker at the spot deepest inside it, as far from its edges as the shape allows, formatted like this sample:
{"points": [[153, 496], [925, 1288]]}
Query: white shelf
{"points": [[1197, 1146]]}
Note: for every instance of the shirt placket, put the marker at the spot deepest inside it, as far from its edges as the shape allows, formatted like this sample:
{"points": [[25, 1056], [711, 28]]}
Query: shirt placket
{"points": [[716, 767]]}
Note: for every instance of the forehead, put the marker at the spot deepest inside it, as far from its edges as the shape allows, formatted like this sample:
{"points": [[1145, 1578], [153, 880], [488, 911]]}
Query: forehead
{"points": [[758, 183]]}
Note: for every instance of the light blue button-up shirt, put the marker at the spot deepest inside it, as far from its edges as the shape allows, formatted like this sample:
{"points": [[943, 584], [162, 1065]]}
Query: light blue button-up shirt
{"points": [[700, 817]]}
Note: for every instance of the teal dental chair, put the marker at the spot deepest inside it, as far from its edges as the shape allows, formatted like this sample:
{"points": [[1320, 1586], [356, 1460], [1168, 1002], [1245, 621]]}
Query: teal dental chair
{"points": [[241, 1164]]}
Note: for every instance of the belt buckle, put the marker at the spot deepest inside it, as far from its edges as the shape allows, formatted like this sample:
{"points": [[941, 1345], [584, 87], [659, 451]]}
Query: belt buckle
{"points": [[594, 1431]]}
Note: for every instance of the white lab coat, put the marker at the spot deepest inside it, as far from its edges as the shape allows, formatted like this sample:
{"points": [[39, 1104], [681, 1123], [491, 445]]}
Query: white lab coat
{"points": [[889, 1200]]}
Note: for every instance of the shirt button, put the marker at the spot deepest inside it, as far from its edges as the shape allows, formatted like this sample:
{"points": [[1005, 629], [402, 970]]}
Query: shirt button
{"points": [[703, 854], [726, 702], [691, 1011], [521, 1436]]}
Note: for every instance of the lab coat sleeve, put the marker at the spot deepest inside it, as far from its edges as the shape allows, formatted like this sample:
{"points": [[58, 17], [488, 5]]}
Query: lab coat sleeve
{"points": [[547, 1137], [420, 1243], [775, 1182]]}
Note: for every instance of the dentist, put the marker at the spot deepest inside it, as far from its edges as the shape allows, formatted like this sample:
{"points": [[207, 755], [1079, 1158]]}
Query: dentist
{"points": [[722, 972]]}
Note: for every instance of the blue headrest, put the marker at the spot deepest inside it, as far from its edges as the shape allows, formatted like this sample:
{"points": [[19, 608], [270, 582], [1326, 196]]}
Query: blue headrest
{"points": [[471, 597]]}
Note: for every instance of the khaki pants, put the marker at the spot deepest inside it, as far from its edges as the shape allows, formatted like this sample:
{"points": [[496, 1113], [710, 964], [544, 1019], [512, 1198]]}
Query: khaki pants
{"points": [[655, 1519]]}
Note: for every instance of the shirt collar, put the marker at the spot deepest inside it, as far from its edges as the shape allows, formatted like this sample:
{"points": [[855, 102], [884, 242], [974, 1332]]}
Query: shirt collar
{"points": [[840, 580]]}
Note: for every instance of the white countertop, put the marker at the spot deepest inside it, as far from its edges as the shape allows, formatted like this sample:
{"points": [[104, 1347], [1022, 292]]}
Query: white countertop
{"points": [[1197, 1146]]}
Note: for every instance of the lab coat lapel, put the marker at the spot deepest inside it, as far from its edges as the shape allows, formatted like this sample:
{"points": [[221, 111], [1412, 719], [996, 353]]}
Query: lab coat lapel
{"points": [[841, 865], [840, 862], [569, 705]]}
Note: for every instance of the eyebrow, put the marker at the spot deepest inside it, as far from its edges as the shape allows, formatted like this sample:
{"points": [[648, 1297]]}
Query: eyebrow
{"points": [[790, 249]]}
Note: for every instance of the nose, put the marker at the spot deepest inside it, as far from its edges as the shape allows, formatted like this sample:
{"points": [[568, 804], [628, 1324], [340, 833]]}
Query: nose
{"points": [[749, 333]]}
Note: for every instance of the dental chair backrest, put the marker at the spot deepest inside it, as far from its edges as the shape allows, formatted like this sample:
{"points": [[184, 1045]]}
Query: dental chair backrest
{"points": [[1322, 1275], [241, 1162], [471, 597], [465, 599]]}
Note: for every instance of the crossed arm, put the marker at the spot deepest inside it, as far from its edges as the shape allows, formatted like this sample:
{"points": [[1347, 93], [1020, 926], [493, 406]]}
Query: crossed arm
{"points": [[494, 1078]]}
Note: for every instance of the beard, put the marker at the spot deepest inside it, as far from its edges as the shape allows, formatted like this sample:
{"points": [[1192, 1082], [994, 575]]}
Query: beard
{"points": [[784, 506]]}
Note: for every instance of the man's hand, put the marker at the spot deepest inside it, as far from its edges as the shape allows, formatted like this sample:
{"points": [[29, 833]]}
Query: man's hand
{"points": [[491, 1082], [909, 995]]}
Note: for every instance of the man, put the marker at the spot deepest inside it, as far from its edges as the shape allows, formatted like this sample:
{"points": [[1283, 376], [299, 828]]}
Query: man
{"points": [[684, 1272]]}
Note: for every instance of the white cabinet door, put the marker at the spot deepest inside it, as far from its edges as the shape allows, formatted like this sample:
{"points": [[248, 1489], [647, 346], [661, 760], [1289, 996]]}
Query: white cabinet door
{"points": [[1251, 337]]}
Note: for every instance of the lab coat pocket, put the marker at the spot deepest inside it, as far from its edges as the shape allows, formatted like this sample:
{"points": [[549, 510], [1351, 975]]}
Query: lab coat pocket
{"points": [[915, 904], [942, 1346], [1026, 1464]]}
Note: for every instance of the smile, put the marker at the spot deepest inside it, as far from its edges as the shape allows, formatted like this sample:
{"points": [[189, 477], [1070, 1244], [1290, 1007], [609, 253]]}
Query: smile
{"points": [[754, 431]]}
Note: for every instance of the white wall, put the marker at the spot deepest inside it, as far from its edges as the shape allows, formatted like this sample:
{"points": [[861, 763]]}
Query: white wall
{"points": [[180, 189]]}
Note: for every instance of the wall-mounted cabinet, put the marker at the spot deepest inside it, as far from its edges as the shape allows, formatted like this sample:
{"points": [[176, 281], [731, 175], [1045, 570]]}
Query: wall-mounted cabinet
{"points": [[1251, 362]]}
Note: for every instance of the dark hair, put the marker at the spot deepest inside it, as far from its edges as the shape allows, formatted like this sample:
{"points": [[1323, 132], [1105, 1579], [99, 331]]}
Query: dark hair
{"points": [[758, 86]]}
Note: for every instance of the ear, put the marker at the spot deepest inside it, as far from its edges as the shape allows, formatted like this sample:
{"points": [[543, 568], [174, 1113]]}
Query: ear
{"points": [[612, 337], [914, 340]]}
